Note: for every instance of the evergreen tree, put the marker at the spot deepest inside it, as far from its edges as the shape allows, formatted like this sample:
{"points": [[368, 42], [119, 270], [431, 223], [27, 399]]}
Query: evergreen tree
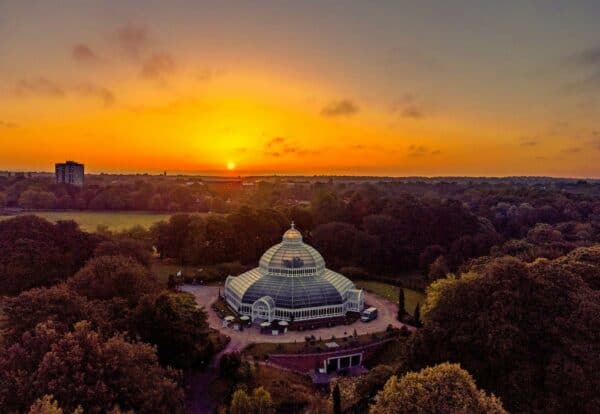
{"points": [[417, 316], [337, 400], [401, 308]]}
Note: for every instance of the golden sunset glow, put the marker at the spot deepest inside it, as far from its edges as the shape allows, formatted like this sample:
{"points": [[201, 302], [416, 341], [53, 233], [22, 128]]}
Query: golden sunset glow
{"points": [[141, 95]]}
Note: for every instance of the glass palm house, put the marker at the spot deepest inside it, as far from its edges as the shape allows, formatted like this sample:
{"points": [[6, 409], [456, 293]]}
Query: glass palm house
{"points": [[291, 282]]}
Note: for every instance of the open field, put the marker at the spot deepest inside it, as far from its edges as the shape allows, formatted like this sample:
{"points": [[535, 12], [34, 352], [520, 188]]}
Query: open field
{"points": [[390, 292], [90, 220]]}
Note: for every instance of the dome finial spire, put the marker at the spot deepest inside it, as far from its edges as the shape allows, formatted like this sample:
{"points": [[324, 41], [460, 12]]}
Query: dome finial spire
{"points": [[293, 225]]}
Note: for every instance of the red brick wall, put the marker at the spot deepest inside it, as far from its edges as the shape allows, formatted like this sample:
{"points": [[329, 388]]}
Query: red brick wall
{"points": [[308, 362]]}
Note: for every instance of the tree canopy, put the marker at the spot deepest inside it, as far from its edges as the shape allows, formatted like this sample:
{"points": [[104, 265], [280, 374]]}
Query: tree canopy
{"points": [[528, 332], [443, 389]]}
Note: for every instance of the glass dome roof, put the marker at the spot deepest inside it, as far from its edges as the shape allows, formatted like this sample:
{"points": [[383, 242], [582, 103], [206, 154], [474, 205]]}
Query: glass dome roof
{"points": [[292, 257], [294, 275], [294, 292]]}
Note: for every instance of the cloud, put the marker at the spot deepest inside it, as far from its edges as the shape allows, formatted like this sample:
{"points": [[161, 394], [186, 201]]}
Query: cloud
{"points": [[528, 142], [206, 75], [421, 150], [408, 107], [275, 141], [132, 40], [44, 87], [84, 54], [277, 147], [412, 111], [595, 141], [157, 66], [7, 124], [39, 86], [590, 56], [343, 107], [588, 60], [105, 95], [571, 150]]}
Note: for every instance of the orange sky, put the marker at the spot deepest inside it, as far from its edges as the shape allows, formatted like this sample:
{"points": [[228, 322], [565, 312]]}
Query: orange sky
{"points": [[331, 91]]}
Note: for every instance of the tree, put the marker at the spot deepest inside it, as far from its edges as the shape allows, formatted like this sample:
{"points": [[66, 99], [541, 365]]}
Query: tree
{"points": [[229, 364], [47, 405], [57, 304], [126, 247], [80, 368], [337, 400], [438, 269], [536, 342], [417, 316], [38, 253], [261, 401], [401, 302], [37, 199], [444, 389], [106, 277], [240, 402], [174, 323], [368, 384]]}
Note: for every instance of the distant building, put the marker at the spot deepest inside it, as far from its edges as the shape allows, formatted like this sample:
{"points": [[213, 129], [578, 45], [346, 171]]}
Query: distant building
{"points": [[70, 172]]}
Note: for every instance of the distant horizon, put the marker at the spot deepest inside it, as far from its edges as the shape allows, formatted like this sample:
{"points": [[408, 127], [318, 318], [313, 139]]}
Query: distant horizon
{"points": [[239, 174]]}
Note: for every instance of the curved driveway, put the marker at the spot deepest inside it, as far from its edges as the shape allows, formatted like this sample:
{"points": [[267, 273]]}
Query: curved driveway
{"points": [[207, 295]]}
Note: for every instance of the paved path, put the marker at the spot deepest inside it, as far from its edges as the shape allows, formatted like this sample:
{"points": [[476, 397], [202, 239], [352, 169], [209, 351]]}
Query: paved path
{"points": [[198, 399], [207, 295]]}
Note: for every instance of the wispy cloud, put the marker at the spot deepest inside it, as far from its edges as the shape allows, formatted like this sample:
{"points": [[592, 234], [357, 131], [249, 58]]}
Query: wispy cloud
{"points": [[421, 150], [7, 124], [343, 107], [83, 53], [278, 147], [588, 60], [206, 75], [408, 107], [571, 150], [132, 40], [105, 95], [43, 87], [527, 142], [39, 86], [589, 56], [158, 66], [412, 111], [275, 141]]}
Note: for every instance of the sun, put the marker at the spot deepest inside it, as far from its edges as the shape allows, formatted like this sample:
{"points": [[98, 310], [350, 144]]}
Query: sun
{"points": [[230, 165]]}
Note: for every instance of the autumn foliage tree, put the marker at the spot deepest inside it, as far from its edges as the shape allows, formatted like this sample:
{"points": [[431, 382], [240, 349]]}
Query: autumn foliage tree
{"points": [[536, 344], [443, 389], [80, 368], [107, 277], [38, 253], [178, 328]]}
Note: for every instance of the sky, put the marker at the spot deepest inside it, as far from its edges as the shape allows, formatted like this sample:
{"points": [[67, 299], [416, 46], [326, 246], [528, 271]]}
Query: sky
{"points": [[429, 88]]}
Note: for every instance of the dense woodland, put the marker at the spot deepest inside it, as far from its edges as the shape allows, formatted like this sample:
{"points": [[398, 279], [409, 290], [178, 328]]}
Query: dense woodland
{"points": [[90, 327], [512, 272]]}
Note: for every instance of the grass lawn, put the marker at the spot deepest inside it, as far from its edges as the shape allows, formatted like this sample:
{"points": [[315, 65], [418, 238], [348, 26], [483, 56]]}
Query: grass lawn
{"points": [[90, 220], [390, 292]]}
